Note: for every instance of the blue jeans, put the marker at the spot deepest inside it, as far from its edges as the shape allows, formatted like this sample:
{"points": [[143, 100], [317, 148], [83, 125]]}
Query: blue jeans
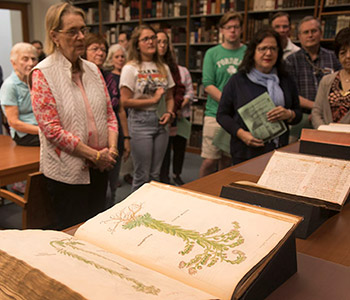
{"points": [[149, 141]]}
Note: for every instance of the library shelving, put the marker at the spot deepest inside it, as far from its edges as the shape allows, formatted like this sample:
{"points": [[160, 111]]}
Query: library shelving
{"points": [[193, 27]]}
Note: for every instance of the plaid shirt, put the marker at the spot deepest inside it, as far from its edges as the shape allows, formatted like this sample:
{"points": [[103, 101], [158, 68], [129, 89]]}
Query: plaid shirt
{"points": [[308, 73]]}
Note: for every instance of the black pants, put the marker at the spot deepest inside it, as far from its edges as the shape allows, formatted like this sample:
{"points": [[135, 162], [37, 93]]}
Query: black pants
{"points": [[178, 144], [27, 140], [75, 203]]}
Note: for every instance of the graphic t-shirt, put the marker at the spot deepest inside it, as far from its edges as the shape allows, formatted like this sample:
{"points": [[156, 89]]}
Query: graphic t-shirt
{"points": [[143, 80], [218, 66]]}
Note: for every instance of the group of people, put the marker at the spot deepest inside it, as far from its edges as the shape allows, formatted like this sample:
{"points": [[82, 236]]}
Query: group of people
{"points": [[298, 80], [92, 104]]}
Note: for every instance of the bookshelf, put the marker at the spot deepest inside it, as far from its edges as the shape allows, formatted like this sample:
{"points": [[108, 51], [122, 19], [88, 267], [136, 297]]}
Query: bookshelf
{"points": [[193, 27], [334, 15]]}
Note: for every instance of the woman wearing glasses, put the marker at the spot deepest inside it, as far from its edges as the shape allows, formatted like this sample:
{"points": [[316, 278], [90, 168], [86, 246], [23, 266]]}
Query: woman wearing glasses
{"points": [[96, 52], [78, 128], [146, 88], [261, 71], [332, 104]]}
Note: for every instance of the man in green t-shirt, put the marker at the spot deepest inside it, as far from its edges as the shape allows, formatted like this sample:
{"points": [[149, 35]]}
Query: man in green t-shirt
{"points": [[220, 63]]}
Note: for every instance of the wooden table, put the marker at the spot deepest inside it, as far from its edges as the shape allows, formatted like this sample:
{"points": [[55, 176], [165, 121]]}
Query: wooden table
{"points": [[331, 241], [16, 162]]}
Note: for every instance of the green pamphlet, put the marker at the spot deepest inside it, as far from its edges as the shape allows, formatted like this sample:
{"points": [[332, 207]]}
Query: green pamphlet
{"points": [[161, 108], [222, 140], [254, 117], [183, 128]]}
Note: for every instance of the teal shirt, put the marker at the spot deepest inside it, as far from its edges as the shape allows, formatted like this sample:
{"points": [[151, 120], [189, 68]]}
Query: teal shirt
{"points": [[218, 66], [15, 92]]}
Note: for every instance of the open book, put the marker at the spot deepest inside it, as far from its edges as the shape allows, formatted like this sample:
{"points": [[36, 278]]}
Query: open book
{"points": [[162, 242], [336, 127], [315, 177]]}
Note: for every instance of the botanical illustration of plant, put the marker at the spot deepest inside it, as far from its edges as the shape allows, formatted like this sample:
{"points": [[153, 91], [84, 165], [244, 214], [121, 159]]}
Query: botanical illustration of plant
{"points": [[67, 246], [215, 244]]}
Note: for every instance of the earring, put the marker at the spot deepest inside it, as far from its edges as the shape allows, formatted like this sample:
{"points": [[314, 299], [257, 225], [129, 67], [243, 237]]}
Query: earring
{"points": [[57, 45]]}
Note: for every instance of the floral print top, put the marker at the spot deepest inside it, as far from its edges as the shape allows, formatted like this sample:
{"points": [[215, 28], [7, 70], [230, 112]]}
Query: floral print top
{"points": [[44, 107], [339, 100]]}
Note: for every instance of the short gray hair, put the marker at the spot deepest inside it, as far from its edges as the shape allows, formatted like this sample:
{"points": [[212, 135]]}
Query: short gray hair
{"points": [[22, 47], [113, 49], [307, 19]]}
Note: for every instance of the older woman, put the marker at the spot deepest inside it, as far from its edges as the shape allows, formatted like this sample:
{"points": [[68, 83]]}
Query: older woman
{"points": [[332, 104], [96, 51], [78, 128], [145, 88], [261, 71], [15, 96]]}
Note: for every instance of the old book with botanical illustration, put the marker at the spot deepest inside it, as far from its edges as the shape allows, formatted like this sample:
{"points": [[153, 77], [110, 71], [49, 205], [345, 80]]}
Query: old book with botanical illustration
{"points": [[162, 242]]}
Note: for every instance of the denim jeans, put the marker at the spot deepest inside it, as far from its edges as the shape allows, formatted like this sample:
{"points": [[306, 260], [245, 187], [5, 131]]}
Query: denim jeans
{"points": [[149, 141]]}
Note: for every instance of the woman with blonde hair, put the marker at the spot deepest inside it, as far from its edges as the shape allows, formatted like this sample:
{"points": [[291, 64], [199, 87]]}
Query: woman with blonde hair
{"points": [[78, 128], [146, 89]]}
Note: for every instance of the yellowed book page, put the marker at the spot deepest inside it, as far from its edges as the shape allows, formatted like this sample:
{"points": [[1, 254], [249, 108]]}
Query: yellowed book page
{"points": [[337, 127], [200, 240], [306, 175], [88, 270]]}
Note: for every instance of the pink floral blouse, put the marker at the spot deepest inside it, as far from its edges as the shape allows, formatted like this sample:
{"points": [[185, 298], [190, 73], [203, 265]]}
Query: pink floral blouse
{"points": [[44, 107]]}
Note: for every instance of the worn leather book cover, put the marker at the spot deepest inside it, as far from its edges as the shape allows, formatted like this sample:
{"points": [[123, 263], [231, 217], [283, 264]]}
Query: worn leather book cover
{"points": [[325, 143]]}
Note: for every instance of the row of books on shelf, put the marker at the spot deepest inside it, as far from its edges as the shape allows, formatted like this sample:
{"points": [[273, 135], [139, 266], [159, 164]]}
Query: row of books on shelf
{"points": [[207, 7], [92, 15], [117, 11], [254, 25], [205, 35], [331, 25], [336, 2], [177, 34], [163, 9], [261, 5]]}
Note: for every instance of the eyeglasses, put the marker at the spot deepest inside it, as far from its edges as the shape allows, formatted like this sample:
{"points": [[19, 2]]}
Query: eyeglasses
{"points": [[235, 27], [148, 38], [95, 49], [75, 31], [265, 49], [312, 31]]}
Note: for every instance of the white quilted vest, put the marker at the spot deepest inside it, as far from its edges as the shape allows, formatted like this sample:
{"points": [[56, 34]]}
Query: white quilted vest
{"points": [[71, 109]]}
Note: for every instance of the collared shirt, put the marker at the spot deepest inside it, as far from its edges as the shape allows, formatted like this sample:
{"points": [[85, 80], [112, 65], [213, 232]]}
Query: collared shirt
{"points": [[307, 73], [14, 92], [290, 49]]}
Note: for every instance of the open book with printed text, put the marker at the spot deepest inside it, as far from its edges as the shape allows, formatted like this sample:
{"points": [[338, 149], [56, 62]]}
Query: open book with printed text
{"points": [[162, 242]]}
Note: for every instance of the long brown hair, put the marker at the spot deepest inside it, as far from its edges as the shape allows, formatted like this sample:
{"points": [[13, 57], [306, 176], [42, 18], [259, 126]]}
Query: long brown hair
{"points": [[134, 54]]}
